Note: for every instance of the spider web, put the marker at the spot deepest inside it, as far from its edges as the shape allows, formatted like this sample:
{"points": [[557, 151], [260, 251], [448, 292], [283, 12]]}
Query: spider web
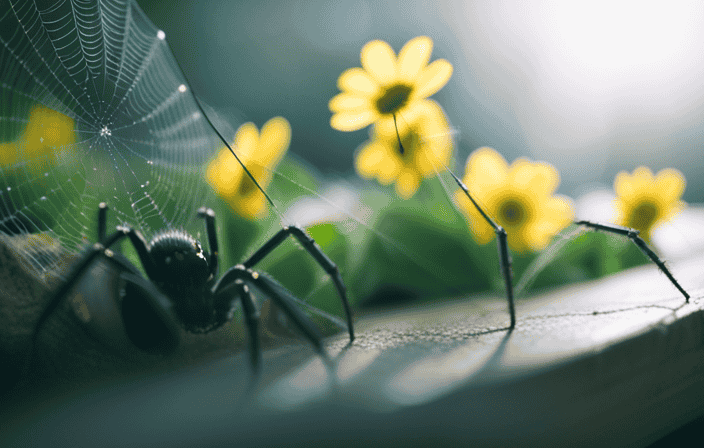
{"points": [[139, 140], [136, 139]]}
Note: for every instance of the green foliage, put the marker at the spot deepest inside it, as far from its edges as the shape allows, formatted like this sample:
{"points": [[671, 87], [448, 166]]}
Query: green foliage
{"points": [[426, 251], [588, 256], [409, 250]]}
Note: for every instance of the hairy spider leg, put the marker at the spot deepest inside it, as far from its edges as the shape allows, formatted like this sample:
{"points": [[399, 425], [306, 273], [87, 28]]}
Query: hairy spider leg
{"points": [[209, 215], [251, 316], [502, 244], [633, 235], [283, 298], [316, 252], [501, 236], [88, 258]]}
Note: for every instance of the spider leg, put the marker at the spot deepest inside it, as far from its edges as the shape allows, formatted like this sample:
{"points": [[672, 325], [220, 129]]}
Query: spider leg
{"points": [[209, 215], [251, 315], [84, 263], [633, 235], [283, 298], [316, 252], [502, 244], [102, 220]]}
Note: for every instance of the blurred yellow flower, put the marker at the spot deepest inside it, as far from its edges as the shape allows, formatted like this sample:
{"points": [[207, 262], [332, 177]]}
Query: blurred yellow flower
{"points": [[48, 134], [519, 197], [427, 145], [644, 201], [260, 152], [386, 86]]}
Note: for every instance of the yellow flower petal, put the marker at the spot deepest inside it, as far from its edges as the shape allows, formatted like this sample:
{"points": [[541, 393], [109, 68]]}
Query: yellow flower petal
{"points": [[540, 178], [670, 184], [349, 102], [388, 171], [645, 201], [387, 87], [518, 197], [260, 152], [486, 166], [274, 141], [644, 173], [434, 77], [623, 185], [356, 80], [413, 58], [379, 60], [246, 139], [368, 159], [481, 230], [352, 121], [407, 184]]}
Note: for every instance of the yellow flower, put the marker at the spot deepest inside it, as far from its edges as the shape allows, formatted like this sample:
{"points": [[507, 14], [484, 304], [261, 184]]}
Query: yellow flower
{"points": [[426, 142], [643, 202], [386, 86], [519, 197], [260, 153], [48, 134]]}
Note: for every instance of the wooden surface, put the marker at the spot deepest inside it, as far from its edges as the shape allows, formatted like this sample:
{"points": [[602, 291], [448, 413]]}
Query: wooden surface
{"points": [[619, 361]]}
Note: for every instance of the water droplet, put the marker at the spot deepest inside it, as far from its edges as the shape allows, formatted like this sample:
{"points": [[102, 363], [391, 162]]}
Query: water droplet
{"points": [[41, 139], [182, 88], [9, 188], [105, 132], [161, 35], [43, 198]]}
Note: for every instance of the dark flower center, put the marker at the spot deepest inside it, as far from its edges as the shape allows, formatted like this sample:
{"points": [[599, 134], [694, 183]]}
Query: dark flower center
{"points": [[395, 97], [643, 216], [512, 213]]}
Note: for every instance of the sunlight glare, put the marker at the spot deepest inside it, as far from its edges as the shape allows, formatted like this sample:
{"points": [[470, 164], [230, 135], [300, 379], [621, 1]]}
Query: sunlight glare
{"points": [[612, 41]]}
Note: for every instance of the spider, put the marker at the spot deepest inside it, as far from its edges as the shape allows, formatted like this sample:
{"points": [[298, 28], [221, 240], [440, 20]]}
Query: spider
{"points": [[505, 256], [182, 288]]}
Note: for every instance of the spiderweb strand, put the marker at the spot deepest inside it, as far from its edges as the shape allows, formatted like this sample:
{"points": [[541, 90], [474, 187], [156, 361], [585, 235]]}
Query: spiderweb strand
{"points": [[224, 141]]}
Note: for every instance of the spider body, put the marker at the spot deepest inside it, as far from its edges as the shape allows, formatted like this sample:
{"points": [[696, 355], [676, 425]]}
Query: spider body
{"points": [[182, 290], [180, 270]]}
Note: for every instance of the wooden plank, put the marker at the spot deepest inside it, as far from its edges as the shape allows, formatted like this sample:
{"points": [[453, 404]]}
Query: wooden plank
{"points": [[618, 361]]}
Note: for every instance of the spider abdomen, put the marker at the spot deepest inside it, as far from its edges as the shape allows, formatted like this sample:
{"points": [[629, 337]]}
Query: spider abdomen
{"points": [[181, 271], [179, 261]]}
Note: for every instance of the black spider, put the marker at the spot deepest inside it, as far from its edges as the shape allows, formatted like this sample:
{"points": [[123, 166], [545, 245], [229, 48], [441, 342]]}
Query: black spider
{"points": [[182, 288]]}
